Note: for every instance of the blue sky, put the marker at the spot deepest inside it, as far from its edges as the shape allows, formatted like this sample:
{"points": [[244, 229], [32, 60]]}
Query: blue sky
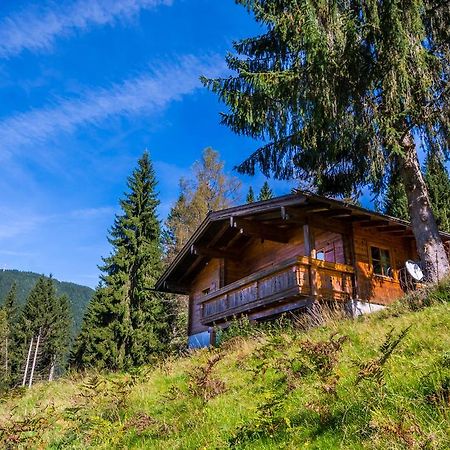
{"points": [[85, 87]]}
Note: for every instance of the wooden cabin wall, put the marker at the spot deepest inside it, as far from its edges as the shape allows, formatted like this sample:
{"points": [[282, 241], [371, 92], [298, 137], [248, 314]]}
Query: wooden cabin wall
{"points": [[332, 244], [260, 254], [208, 278], [375, 288]]}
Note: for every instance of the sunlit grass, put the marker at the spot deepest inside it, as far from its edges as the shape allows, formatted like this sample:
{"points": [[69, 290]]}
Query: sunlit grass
{"points": [[273, 389]]}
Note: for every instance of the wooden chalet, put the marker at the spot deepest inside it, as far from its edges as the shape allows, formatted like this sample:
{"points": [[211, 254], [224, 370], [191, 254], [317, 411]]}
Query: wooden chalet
{"points": [[283, 254]]}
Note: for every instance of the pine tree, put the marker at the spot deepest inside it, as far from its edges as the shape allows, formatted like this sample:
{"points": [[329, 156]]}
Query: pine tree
{"points": [[250, 196], [337, 89], [395, 201], [126, 323], [265, 193], [10, 305], [4, 356], [10, 312], [438, 181], [47, 315]]}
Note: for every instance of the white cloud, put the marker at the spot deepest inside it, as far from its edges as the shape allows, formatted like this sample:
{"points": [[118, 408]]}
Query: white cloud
{"points": [[12, 227], [24, 222], [147, 93], [37, 28]]}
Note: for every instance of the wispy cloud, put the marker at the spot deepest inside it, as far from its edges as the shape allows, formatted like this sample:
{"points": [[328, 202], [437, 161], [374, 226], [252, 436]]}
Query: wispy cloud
{"points": [[12, 227], [36, 28], [22, 223], [147, 93]]}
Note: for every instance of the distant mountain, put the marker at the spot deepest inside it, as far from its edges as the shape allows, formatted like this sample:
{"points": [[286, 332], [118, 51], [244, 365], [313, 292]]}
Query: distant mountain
{"points": [[79, 295]]}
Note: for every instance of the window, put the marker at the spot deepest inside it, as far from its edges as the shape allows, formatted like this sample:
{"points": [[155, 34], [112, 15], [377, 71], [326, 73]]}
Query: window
{"points": [[320, 255], [381, 261]]}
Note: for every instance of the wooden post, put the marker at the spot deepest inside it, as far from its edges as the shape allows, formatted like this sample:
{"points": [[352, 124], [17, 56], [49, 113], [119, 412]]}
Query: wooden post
{"points": [[354, 277], [212, 336], [34, 359], [27, 363], [310, 252]]}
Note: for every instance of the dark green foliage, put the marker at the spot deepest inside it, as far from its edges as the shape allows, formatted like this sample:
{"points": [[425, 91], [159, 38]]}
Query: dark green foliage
{"points": [[395, 202], [46, 314], [265, 193], [438, 182], [8, 322], [250, 196], [10, 306], [126, 322], [334, 87], [25, 281]]}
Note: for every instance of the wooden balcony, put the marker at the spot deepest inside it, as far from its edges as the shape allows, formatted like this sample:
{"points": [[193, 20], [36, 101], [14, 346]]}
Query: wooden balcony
{"points": [[287, 281]]}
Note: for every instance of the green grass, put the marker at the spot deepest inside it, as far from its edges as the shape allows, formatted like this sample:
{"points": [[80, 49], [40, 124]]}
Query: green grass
{"points": [[336, 386]]}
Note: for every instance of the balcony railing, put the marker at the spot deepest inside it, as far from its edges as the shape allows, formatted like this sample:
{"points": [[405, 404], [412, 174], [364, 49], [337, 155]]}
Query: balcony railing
{"points": [[295, 278]]}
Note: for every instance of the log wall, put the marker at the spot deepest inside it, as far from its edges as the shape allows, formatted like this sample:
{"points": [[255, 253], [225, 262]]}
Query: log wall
{"points": [[376, 288], [208, 279], [339, 248]]}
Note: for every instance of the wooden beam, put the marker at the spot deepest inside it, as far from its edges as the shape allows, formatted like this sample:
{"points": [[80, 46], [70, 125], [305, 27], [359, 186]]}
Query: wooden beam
{"points": [[219, 235], [374, 223], [183, 290], [213, 252], [337, 212], [192, 267], [252, 228], [299, 214], [403, 233], [359, 218], [391, 228], [235, 238], [308, 240]]}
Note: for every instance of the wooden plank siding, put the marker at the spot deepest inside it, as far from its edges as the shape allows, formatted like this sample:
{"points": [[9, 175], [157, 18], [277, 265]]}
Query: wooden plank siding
{"points": [[207, 279], [376, 288], [283, 282], [261, 281]]}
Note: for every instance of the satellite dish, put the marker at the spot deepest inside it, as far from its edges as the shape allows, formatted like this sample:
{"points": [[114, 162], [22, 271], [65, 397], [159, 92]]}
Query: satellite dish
{"points": [[414, 270]]}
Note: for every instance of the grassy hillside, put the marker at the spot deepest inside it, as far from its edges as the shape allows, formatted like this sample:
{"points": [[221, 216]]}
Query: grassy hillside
{"points": [[79, 295], [381, 381]]}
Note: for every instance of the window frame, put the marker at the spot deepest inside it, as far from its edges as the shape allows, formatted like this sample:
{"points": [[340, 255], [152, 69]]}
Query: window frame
{"points": [[391, 262]]}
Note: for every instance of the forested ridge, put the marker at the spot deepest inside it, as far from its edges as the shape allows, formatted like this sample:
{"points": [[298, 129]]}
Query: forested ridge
{"points": [[79, 296]]}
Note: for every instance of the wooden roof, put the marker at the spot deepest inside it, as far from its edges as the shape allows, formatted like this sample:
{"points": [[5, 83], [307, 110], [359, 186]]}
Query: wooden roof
{"points": [[224, 233]]}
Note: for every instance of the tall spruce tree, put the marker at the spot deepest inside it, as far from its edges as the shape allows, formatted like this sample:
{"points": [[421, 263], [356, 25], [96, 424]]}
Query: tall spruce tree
{"points": [[338, 89], [126, 323], [266, 192], [438, 182], [47, 315]]}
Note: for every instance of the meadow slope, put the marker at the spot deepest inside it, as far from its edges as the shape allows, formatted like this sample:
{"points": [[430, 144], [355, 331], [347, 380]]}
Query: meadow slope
{"points": [[381, 381]]}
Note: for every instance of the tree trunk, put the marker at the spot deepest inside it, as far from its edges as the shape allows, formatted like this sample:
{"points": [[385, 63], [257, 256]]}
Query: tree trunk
{"points": [[429, 243]]}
